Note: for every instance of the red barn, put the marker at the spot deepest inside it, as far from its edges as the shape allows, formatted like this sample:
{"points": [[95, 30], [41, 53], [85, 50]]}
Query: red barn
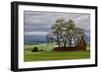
{"points": [[80, 46]]}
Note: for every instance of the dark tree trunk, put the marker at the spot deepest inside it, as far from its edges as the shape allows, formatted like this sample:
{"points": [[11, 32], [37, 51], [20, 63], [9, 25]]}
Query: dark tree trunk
{"points": [[58, 42], [70, 43], [65, 43]]}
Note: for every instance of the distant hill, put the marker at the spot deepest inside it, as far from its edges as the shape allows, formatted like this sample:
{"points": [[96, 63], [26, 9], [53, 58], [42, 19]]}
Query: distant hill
{"points": [[36, 39]]}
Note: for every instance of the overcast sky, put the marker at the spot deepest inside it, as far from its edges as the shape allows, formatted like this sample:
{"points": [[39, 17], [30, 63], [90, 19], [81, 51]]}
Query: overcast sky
{"points": [[39, 23]]}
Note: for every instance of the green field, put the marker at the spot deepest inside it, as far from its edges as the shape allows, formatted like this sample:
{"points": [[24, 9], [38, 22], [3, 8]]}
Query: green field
{"points": [[48, 54]]}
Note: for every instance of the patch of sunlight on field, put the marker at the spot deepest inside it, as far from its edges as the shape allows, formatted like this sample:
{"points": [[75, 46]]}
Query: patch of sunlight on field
{"points": [[45, 47]]}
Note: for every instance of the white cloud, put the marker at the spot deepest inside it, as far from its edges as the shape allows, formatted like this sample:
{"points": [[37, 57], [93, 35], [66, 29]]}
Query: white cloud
{"points": [[83, 21], [36, 33]]}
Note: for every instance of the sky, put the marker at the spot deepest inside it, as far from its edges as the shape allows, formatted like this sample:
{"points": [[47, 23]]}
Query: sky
{"points": [[39, 23]]}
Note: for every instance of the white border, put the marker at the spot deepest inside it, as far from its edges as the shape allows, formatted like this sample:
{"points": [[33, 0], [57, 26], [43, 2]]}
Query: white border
{"points": [[22, 64]]}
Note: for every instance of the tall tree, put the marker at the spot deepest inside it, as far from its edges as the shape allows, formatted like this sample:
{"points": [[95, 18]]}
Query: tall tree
{"points": [[57, 30]]}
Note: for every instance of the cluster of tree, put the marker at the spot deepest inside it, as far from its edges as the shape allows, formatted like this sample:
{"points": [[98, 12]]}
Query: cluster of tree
{"points": [[65, 33], [36, 49]]}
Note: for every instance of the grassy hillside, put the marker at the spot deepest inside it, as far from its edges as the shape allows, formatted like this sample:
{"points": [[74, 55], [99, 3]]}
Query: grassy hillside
{"points": [[45, 47]]}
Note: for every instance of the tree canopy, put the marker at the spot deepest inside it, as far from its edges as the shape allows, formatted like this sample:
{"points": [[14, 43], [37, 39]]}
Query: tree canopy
{"points": [[65, 33]]}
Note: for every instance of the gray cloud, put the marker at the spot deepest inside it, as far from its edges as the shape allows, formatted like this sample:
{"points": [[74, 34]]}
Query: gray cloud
{"points": [[41, 21]]}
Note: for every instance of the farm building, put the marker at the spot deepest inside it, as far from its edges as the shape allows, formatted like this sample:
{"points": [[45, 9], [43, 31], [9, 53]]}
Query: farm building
{"points": [[80, 46]]}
